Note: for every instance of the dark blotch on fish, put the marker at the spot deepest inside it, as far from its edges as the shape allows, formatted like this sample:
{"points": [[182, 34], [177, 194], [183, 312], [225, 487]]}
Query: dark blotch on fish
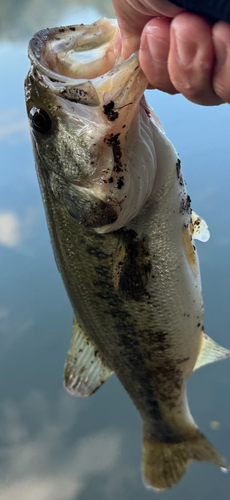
{"points": [[96, 214], [96, 252], [166, 376], [183, 360], [140, 358], [132, 272], [120, 183], [108, 110], [179, 174], [114, 142], [178, 168], [185, 205]]}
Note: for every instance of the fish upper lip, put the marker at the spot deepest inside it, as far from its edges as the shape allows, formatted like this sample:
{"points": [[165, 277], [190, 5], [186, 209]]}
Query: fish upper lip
{"points": [[57, 61], [45, 60], [38, 51]]}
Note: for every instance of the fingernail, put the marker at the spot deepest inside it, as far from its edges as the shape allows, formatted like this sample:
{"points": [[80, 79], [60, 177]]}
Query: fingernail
{"points": [[156, 45], [186, 50], [118, 45]]}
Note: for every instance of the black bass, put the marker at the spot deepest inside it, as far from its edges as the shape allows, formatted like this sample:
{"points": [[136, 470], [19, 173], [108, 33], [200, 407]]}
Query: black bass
{"points": [[122, 231]]}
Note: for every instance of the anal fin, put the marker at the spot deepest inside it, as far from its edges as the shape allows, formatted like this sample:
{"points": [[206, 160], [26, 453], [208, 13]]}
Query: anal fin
{"points": [[210, 351], [85, 370], [198, 228]]}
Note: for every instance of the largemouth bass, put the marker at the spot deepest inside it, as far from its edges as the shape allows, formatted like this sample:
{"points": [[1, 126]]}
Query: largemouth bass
{"points": [[123, 232]]}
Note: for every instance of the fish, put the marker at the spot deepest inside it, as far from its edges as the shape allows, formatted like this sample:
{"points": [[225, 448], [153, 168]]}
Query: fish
{"points": [[122, 231]]}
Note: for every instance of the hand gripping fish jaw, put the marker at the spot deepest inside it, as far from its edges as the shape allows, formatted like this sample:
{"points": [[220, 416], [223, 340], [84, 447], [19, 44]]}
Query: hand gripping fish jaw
{"points": [[122, 231]]}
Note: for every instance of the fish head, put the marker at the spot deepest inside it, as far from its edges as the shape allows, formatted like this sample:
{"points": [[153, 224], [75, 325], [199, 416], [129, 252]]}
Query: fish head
{"points": [[83, 109]]}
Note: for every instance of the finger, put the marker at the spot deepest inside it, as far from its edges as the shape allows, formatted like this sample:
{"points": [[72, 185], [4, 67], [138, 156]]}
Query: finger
{"points": [[133, 15], [131, 23], [191, 59], [154, 50], [221, 76]]}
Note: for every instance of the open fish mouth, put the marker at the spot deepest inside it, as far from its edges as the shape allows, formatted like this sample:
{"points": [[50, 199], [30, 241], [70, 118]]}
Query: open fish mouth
{"points": [[76, 51], [84, 106], [76, 55]]}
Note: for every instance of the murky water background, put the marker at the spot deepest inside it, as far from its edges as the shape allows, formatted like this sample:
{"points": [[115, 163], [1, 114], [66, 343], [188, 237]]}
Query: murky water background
{"points": [[53, 446]]}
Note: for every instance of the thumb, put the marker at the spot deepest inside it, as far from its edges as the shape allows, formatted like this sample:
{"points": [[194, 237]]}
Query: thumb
{"points": [[131, 23]]}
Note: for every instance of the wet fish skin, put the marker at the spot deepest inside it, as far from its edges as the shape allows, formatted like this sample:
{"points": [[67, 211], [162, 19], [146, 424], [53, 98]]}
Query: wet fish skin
{"points": [[120, 224]]}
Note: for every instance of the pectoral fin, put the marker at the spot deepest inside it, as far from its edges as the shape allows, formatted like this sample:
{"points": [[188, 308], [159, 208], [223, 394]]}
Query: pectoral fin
{"points": [[198, 228], [210, 351], [85, 370]]}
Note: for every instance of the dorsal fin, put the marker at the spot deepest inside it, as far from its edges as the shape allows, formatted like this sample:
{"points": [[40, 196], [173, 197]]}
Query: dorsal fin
{"points": [[198, 228], [210, 351], [85, 370]]}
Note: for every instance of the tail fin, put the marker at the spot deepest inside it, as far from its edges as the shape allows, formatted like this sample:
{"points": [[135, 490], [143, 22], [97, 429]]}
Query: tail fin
{"points": [[164, 464]]}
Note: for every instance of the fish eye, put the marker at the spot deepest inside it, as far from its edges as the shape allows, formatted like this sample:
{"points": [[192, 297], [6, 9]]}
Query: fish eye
{"points": [[40, 120]]}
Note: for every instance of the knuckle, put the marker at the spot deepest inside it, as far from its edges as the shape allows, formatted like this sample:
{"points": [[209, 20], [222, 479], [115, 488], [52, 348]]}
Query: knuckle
{"points": [[205, 67], [183, 85]]}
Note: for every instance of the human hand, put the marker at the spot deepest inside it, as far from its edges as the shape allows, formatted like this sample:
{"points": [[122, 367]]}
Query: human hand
{"points": [[179, 51]]}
